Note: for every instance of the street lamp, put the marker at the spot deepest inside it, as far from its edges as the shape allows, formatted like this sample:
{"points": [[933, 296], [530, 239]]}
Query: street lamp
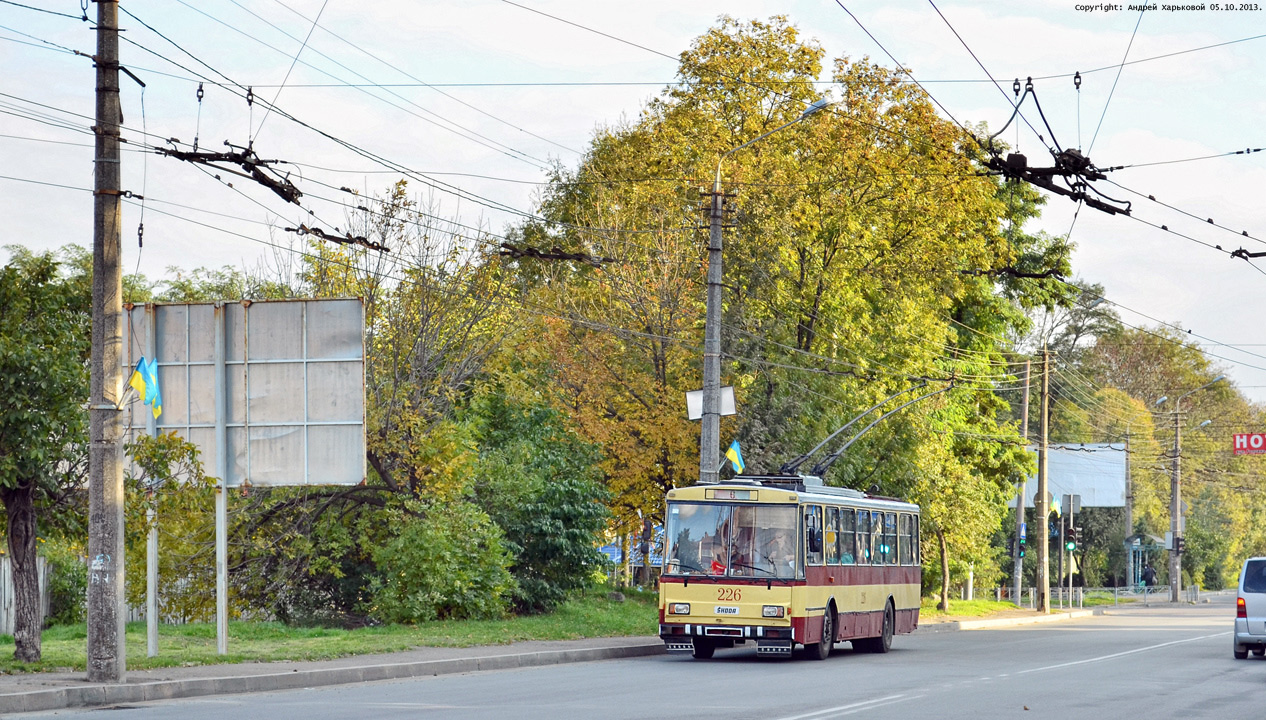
{"points": [[710, 434], [1175, 495]]}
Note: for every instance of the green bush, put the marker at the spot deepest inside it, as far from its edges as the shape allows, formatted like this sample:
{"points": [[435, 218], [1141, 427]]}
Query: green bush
{"points": [[540, 483], [68, 584], [447, 562]]}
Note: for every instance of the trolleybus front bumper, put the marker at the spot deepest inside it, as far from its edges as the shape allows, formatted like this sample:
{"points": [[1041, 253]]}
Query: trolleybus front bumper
{"points": [[769, 640]]}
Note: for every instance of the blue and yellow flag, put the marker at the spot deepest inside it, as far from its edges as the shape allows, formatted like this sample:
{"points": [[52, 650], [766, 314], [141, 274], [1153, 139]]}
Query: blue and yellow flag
{"points": [[145, 381], [736, 456]]}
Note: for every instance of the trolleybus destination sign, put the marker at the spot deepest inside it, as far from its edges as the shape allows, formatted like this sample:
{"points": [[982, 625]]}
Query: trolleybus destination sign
{"points": [[1250, 444]]}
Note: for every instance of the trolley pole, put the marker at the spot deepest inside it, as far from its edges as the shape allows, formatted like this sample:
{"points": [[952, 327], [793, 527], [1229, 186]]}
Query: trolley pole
{"points": [[107, 659], [1042, 505]]}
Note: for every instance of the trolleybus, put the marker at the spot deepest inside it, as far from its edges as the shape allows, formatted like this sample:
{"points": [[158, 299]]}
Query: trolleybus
{"points": [[781, 561]]}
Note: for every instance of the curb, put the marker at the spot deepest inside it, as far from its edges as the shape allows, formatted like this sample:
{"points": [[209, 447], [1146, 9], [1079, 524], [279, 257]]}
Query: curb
{"points": [[1007, 622], [98, 695]]}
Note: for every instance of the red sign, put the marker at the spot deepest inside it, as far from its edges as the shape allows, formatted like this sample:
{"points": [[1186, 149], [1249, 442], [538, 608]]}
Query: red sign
{"points": [[1250, 443]]}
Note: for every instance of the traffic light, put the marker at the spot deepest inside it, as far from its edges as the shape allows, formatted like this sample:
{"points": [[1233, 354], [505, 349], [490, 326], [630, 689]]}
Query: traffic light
{"points": [[1180, 545], [1070, 539], [1011, 546], [1022, 544]]}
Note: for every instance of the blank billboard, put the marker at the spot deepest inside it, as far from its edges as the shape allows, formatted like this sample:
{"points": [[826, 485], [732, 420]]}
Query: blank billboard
{"points": [[283, 382]]}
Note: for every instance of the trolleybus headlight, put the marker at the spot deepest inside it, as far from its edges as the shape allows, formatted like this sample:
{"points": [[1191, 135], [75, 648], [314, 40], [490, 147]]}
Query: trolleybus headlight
{"points": [[773, 611], [679, 609]]}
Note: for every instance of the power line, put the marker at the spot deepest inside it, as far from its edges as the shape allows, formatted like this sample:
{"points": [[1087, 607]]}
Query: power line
{"points": [[902, 68], [292, 67], [435, 119], [84, 18], [450, 96], [1246, 151], [989, 75], [1114, 81]]}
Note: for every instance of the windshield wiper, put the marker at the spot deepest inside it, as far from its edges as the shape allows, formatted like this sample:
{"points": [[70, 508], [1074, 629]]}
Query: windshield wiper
{"points": [[753, 567]]}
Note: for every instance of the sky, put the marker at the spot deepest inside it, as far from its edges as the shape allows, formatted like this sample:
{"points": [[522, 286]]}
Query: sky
{"points": [[483, 95]]}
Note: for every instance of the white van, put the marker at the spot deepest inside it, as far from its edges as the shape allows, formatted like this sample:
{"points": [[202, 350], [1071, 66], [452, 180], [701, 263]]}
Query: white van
{"points": [[1250, 610]]}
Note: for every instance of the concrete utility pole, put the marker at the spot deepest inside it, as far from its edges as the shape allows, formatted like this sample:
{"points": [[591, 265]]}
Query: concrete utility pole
{"points": [[1176, 524], [1017, 574], [1042, 505], [1175, 510], [107, 658], [710, 433], [1129, 514]]}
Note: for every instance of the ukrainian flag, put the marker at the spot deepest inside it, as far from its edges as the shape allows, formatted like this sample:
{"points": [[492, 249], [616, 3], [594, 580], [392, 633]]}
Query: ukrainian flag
{"points": [[145, 381], [736, 456]]}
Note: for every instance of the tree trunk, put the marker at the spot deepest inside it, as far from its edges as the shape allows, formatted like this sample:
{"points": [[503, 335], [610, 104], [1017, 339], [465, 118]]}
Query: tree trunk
{"points": [[19, 505], [943, 605]]}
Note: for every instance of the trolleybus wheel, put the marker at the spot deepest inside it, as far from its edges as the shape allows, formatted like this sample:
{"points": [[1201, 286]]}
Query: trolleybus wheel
{"points": [[883, 643], [822, 649], [703, 649]]}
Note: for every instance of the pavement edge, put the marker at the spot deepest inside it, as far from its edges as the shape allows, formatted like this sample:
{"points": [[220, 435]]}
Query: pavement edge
{"points": [[99, 695]]}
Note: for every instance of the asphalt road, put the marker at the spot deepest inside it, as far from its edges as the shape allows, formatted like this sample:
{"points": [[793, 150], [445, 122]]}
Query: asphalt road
{"points": [[1162, 662]]}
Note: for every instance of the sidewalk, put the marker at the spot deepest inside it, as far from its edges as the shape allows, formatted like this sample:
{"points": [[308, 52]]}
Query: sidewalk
{"points": [[1010, 619], [54, 691]]}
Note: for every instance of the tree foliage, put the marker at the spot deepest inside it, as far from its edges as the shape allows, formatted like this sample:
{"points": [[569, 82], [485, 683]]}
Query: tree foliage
{"points": [[44, 332]]}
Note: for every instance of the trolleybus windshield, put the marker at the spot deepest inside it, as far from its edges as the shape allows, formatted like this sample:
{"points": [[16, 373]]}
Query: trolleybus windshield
{"points": [[726, 540]]}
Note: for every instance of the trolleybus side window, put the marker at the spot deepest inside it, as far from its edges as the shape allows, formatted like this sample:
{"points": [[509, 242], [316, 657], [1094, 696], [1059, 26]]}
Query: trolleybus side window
{"points": [[876, 537], [890, 538], [863, 537], [914, 545], [903, 541], [813, 534], [833, 536], [848, 535]]}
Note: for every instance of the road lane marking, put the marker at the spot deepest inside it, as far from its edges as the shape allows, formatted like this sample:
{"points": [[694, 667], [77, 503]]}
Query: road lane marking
{"points": [[870, 707], [1117, 655], [866, 704]]}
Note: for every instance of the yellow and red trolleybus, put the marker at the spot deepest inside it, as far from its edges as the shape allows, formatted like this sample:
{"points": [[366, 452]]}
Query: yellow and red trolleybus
{"points": [[785, 560]]}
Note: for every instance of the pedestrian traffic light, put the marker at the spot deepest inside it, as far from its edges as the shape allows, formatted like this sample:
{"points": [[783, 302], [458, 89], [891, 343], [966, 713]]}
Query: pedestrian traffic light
{"points": [[1180, 545], [1022, 544]]}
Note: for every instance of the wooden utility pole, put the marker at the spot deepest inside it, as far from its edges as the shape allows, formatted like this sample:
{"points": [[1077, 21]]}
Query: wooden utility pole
{"points": [[1017, 574], [107, 658], [1042, 504]]}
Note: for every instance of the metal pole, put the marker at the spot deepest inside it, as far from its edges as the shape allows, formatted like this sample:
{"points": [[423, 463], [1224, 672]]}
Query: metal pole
{"points": [[1043, 505], [107, 657], [151, 577], [1072, 516], [151, 512], [1175, 511], [1059, 574], [710, 433], [221, 488], [1017, 572]]}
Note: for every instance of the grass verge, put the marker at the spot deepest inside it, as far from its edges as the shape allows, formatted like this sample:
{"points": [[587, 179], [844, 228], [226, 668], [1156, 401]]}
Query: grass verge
{"points": [[593, 615], [963, 608]]}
